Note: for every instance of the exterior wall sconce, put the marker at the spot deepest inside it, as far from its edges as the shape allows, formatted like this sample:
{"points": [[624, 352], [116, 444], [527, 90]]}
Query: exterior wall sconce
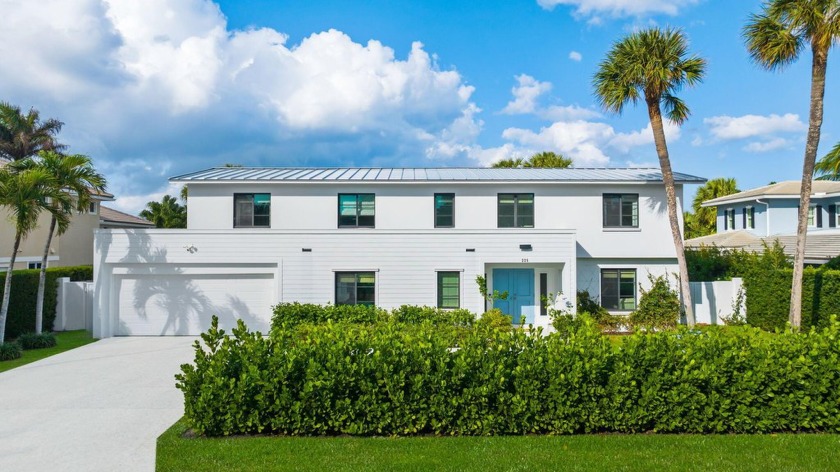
{"points": [[470, 249], [306, 249], [525, 247], [191, 248]]}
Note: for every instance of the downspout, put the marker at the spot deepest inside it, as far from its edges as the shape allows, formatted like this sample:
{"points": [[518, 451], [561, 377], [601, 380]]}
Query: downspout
{"points": [[767, 222]]}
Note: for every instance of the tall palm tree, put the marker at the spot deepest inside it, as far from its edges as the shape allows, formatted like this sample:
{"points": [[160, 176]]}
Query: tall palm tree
{"points": [[829, 166], [775, 37], [705, 219], [543, 160], [26, 193], [653, 65], [75, 176], [167, 213], [23, 135]]}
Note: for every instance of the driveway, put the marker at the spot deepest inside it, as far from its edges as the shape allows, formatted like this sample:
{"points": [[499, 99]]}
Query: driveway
{"points": [[97, 407]]}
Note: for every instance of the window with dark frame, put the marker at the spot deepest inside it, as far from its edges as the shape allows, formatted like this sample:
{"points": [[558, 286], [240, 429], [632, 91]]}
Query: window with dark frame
{"points": [[730, 218], [515, 210], [618, 289], [355, 288], [621, 210], [444, 210], [749, 217], [34, 265], [449, 290], [356, 210], [252, 210]]}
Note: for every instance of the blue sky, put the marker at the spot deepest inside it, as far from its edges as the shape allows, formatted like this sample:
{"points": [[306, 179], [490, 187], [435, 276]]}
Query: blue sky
{"points": [[156, 88]]}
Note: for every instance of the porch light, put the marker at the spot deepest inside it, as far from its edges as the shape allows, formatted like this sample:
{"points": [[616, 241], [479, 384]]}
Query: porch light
{"points": [[525, 247], [306, 249], [470, 249]]}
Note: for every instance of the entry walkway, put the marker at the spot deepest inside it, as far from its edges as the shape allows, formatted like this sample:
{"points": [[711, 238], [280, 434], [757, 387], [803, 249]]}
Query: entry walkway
{"points": [[98, 407]]}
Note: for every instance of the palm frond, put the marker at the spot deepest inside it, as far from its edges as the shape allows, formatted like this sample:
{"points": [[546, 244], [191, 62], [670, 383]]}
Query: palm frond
{"points": [[828, 167]]}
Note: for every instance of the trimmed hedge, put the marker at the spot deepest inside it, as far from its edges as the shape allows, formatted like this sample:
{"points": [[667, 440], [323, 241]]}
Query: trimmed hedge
{"points": [[768, 297], [383, 379], [290, 314], [21, 317]]}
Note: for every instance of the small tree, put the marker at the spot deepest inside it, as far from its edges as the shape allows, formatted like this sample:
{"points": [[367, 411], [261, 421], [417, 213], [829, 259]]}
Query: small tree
{"points": [[659, 307]]}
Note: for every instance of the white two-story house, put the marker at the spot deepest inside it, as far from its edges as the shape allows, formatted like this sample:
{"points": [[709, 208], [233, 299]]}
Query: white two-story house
{"points": [[386, 237]]}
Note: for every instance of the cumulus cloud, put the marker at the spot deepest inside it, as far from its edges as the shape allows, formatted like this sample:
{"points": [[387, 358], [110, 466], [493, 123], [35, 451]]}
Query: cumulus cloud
{"points": [[525, 95], [746, 126], [594, 9], [567, 113], [771, 144], [165, 84], [575, 56]]}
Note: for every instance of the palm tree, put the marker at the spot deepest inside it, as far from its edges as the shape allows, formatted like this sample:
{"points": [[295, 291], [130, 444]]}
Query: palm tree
{"points": [[829, 166], [774, 38], [22, 136], [653, 64], [705, 218], [26, 193], [544, 160], [167, 213], [511, 163], [75, 176]]}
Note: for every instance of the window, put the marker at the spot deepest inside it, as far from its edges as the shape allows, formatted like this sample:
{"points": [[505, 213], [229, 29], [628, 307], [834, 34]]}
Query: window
{"points": [[516, 210], [356, 210], [749, 218], [444, 210], [833, 216], [34, 265], [251, 210], [812, 217], [730, 218], [618, 289], [449, 289], [621, 210], [355, 288], [92, 208]]}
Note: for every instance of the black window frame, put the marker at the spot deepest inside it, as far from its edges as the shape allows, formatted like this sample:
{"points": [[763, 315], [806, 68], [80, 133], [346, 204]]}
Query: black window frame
{"points": [[356, 285], [833, 216], [440, 297], [618, 306], [254, 215], [518, 206], [438, 216], [606, 220], [729, 214], [358, 214]]}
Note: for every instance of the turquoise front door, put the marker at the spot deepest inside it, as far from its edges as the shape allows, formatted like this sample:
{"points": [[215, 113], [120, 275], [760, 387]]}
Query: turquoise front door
{"points": [[519, 284]]}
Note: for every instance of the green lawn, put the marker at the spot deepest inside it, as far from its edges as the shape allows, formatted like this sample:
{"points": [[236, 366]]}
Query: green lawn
{"points": [[787, 452], [66, 340]]}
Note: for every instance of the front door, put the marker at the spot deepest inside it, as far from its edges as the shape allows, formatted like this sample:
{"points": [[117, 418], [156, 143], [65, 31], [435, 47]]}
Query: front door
{"points": [[519, 284]]}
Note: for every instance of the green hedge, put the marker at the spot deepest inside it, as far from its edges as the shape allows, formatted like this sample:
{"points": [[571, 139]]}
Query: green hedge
{"points": [[768, 297], [289, 314], [21, 317], [382, 379]]}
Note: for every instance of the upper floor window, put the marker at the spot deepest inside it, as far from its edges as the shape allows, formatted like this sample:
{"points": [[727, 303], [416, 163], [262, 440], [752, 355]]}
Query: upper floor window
{"points": [[356, 210], [355, 288], [813, 216], [618, 289], [252, 210], [516, 210], [833, 216], [34, 265], [749, 217], [621, 210], [444, 210], [729, 219]]}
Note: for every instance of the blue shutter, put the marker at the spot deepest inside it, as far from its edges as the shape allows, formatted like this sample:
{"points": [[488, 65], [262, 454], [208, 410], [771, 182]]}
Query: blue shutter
{"points": [[832, 216], [819, 216]]}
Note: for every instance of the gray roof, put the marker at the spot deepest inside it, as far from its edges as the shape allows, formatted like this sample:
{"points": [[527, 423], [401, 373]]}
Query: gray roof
{"points": [[820, 246], [786, 189], [110, 217], [419, 174]]}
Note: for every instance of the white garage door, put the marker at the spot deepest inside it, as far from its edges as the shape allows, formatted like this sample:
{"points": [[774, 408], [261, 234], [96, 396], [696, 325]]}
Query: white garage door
{"points": [[155, 305]]}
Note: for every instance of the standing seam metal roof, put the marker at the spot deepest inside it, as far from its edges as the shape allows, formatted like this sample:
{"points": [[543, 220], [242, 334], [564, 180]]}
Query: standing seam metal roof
{"points": [[454, 174]]}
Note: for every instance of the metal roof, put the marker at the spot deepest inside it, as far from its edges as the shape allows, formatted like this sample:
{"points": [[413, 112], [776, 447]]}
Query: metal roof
{"points": [[820, 246], [419, 174]]}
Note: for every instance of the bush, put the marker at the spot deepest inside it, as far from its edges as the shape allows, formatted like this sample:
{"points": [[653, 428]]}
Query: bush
{"points": [[10, 351], [438, 316], [383, 379], [768, 297], [296, 313], [29, 341], [603, 318], [659, 307], [495, 320], [21, 317], [711, 263]]}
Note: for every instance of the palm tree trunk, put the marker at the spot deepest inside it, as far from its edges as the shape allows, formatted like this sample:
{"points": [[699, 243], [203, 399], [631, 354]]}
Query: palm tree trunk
{"points": [[671, 198], [42, 281], [7, 289], [818, 67]]}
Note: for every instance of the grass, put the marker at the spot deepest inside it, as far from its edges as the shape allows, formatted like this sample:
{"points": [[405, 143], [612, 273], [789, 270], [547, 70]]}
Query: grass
{"points": [[66, 340], [760, 453]]}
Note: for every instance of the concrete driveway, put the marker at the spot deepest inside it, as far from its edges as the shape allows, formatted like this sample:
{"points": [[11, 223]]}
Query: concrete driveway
{"points": [[97, 407]]}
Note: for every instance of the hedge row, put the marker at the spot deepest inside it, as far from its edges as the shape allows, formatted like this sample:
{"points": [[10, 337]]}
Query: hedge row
{"points": [[768, 297], [381, 379], [288, 314], [21, 317]]}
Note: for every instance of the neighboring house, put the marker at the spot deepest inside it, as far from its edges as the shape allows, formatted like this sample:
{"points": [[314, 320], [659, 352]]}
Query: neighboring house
{"points": [[114, 219], [259, 236], [747, 220]]}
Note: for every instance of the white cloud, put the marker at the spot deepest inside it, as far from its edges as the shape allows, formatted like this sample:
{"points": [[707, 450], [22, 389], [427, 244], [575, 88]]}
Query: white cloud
{"points": [[525, 95], [768, 145], [166, 82], [575, 56], [567, 113], [626, 141], [619, 8], [746, 126]]}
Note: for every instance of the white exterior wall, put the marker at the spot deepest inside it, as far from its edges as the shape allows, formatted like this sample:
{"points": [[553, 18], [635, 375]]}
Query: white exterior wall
{"points": [[589, 273], [140, 271]]}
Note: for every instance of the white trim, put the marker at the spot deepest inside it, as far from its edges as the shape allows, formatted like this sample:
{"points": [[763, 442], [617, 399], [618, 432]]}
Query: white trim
{"points": [[6, 260]]}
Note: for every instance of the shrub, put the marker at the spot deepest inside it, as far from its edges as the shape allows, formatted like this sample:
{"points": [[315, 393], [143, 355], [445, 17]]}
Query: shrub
{"points": [[383, 379], [10, 351], [495, 320], [603, 318], [438, 316], [768, 297], [297, 313], [659, 307], [21, 316], [711, 263], [29, 341]]}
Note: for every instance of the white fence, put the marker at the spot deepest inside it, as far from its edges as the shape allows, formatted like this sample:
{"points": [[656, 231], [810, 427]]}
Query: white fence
{"points": [[74, 307], [715, 302]]}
